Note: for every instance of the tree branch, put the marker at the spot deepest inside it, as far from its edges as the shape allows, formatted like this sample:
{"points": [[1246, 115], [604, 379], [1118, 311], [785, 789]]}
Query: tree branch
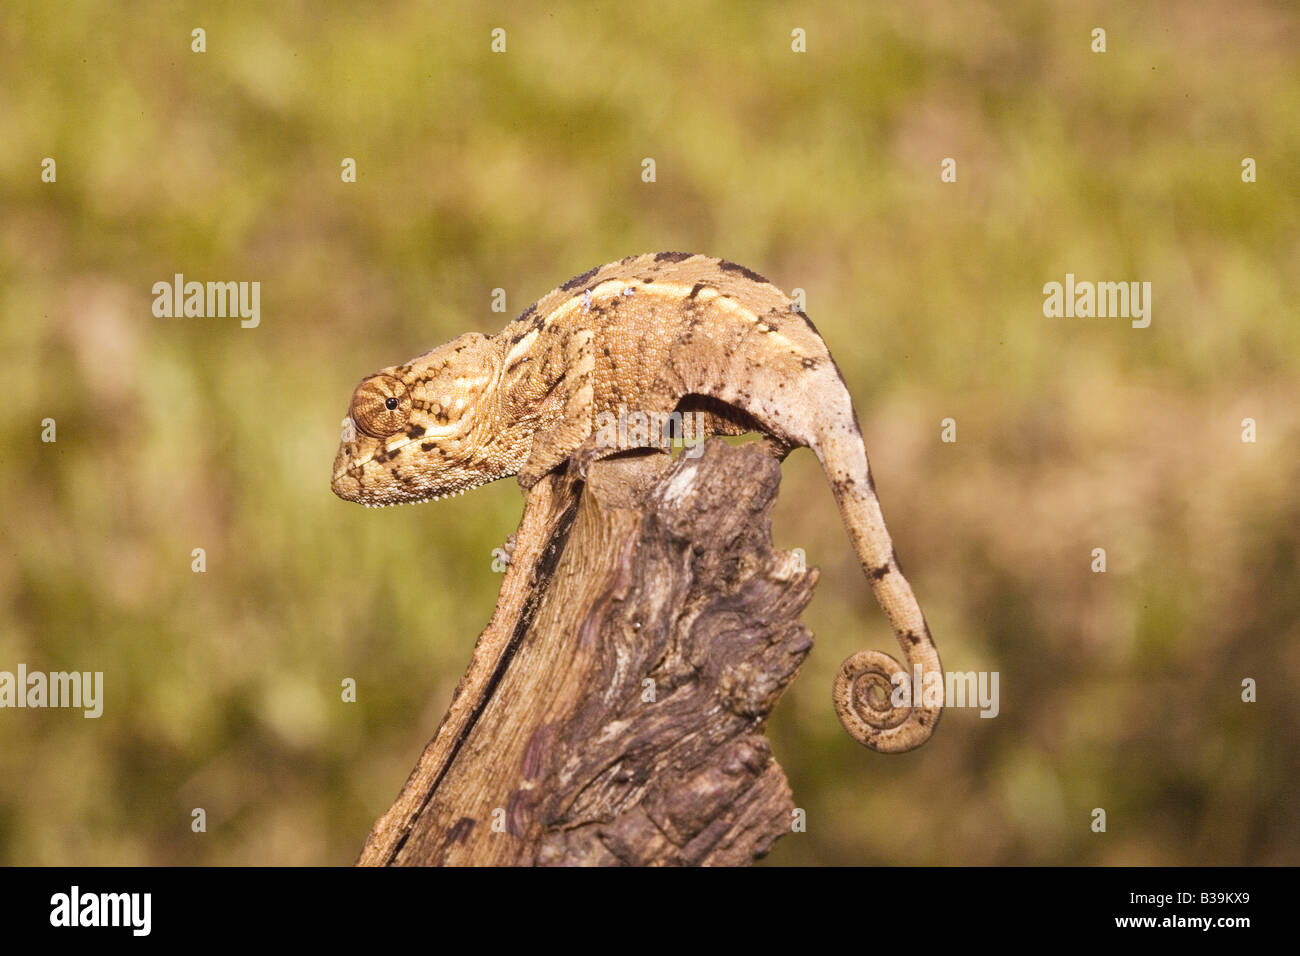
{"points": [[613, 709]]}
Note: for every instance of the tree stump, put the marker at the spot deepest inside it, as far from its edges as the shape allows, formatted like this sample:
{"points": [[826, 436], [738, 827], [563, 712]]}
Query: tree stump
{"points": [[614, 707]]}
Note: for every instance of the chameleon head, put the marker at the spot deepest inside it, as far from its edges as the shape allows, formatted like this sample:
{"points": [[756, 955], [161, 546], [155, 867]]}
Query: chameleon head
{"points": [[421, 430]]}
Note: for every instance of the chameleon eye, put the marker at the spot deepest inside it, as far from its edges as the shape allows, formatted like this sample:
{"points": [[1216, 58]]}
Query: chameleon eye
{"points": [[381, 406]]}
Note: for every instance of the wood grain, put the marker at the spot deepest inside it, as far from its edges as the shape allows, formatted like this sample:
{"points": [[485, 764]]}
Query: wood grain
{"points": [[613, 710]]}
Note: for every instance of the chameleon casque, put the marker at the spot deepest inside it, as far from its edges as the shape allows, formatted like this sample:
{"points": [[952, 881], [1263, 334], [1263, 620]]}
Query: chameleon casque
{"points": [[656, 333]]}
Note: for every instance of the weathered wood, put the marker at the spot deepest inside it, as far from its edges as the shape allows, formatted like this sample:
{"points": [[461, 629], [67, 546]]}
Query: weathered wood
{"points": [[613, 709]]}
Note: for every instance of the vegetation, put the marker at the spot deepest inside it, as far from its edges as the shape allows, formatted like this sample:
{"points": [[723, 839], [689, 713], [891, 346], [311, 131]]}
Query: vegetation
{"points": [[476, 171]]}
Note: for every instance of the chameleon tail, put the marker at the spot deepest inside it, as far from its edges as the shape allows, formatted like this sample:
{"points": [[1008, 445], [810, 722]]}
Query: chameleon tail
{"points": [[866, 682]]}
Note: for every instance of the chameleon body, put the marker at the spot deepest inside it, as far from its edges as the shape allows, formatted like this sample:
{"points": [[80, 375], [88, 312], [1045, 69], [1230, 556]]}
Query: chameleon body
{"points": [[654, 333]]}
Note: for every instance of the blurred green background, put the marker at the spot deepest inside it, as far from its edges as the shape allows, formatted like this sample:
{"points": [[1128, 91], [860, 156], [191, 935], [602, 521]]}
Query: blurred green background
{"points": [[820, 170]]}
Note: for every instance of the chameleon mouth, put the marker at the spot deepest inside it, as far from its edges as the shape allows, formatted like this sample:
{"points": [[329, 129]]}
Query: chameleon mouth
{"points": [[415, 501], [351, 484]]}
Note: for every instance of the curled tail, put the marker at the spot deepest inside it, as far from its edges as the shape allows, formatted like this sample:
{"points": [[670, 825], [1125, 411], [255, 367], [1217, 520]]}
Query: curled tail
{"points": [[875, 705]]}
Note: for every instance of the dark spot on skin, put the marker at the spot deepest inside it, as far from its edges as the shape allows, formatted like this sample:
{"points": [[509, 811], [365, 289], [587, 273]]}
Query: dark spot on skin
{"points": [[426, 446], [913, 637], [528, 321], [579, 280], [877, 573], [809, 362], [672, 256], [726, 266], [415, 431], [695, 290]]}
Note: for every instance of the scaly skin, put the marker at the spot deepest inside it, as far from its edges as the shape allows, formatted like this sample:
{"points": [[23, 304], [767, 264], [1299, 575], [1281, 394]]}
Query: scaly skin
{"points": [[650, 333]]}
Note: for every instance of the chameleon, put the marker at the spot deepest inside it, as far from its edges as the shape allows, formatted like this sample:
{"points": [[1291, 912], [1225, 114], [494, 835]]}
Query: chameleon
{"points": [[658, 333]]}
